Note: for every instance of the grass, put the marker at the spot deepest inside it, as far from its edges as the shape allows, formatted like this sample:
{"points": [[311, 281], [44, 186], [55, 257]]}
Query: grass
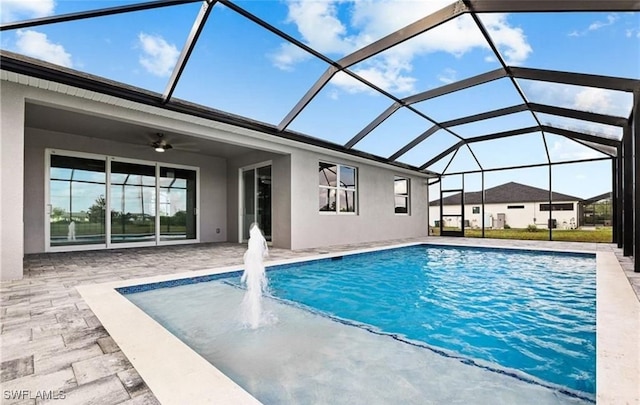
{"points": [[599, 235], [89, 229]]}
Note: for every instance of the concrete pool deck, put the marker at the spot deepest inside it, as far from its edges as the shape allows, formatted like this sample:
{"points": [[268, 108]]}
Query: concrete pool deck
{"points": [[52, 343]]}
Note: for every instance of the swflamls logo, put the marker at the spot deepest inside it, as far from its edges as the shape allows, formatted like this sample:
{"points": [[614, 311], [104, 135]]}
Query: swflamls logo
{"points": [[28, 394]]}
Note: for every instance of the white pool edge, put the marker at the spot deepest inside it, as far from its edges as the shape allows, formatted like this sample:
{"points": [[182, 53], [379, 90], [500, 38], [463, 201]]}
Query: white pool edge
{"points": [[617, 334], [177, 375]]}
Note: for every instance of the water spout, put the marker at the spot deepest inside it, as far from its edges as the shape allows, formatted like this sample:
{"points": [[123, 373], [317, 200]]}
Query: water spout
{"points": [[254, 277]]}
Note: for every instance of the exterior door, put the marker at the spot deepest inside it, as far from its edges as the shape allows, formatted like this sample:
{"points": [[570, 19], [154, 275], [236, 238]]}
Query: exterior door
{"points": [[255, 200], [76, 208]]}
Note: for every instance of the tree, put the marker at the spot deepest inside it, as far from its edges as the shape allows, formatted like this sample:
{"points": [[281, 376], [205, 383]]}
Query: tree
{"points": [[97, 210], [58, 213], [180, 218]]}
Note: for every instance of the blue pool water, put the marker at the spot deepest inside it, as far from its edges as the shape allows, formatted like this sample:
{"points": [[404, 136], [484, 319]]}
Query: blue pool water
{"points": [[524, 310], [483, 313]]}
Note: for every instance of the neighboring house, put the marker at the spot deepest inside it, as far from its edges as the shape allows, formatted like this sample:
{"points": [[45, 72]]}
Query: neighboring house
{"points": [[511, 204], [597, 211]]}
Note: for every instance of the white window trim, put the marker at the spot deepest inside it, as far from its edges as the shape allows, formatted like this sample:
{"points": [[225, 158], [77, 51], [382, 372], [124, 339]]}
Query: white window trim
{"points": [[241, 197], [408, 196], [338, 188], [108, 244]]}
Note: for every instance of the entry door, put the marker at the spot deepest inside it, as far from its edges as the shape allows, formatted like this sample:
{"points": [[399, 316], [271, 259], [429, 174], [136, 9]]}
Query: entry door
{"points": [[452, 221], [256, 200]]}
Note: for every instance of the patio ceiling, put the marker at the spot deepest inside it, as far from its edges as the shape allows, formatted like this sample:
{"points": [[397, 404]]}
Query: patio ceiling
{"points": [[244, 64]]}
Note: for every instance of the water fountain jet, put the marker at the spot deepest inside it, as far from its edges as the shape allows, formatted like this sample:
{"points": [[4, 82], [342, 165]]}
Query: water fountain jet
{"points": [[254, 277]]}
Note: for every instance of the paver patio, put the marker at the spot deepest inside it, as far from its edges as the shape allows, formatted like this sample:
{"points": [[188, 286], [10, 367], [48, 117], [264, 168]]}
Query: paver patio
{"points": [[52, 345]]}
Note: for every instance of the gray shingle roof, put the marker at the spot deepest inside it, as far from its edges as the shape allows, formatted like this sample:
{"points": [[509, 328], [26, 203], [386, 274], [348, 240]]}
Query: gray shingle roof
{"points": [[511, 192], [598, 198]]}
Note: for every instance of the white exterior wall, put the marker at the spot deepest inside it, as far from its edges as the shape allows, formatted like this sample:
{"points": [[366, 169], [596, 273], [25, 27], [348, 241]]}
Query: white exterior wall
{"points": [[515, 218], [11, 181], [280, 195], [375, 219], [296, 220]]}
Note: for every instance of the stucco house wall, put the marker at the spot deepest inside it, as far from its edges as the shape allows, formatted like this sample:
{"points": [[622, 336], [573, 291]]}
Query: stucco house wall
{"points": [[530, 214], [375, 220], [297, 222], [520, 203], [280, 194]]}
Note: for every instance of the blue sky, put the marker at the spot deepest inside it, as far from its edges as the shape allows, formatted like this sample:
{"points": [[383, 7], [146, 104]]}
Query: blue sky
{"points": [[240, 68]]}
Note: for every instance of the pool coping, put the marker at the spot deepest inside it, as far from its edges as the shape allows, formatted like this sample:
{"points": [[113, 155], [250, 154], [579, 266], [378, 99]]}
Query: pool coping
{"points": [[176, 374]]}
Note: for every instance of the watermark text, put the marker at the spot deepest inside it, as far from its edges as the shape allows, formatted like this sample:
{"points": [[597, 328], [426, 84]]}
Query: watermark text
{"points": [[28, 394]]}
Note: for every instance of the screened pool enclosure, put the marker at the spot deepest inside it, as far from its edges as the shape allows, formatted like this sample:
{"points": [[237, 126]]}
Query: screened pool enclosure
{"points": [[474, 93]]}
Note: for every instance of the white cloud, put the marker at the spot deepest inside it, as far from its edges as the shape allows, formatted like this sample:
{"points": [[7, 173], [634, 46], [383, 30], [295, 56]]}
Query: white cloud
{"points": [[15, 10], [593, 99], [581, 98], [611, 19], [564, 150], [37, 45], [388, 78], [322, 28], [287, 56], [349, 85], [159, 57], [319, 25], [448, 76], [595, 26], [632, 32], [511, 41]]}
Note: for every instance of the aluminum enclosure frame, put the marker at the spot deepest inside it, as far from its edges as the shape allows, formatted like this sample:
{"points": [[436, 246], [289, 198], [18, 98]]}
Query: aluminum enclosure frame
{"points": [[624, 151]]}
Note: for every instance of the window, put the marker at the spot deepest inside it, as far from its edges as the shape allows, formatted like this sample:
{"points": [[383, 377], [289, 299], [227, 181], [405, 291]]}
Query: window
{"points": [[338, 187], [137, 202], [557, 207], [77, 189], [401, 194], [515, 207], [475, 210]]}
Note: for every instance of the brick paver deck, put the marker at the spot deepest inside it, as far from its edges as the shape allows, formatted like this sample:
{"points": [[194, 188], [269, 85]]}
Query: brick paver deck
{"points": [[52, 345]]}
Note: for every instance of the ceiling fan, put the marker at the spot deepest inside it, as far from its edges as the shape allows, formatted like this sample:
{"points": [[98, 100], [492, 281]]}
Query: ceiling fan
{"points": [[161, 144]]}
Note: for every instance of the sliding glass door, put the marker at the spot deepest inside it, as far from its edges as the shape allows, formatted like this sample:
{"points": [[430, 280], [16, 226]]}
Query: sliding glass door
{"points": [[177, 204], [76, 209], [133, 202], [149, 203], [255, 200]]}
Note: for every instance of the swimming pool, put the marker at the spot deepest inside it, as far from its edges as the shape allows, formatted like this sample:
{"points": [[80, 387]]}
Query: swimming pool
{"points": [[426, 296]]}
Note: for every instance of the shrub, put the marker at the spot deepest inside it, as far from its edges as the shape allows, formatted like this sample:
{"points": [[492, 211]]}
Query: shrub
{"points": [[532, 228], [506, 226]]}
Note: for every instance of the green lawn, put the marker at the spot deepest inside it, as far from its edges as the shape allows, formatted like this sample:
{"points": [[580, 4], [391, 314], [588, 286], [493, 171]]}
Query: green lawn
{"points": [[601, 235], [61, 229]]}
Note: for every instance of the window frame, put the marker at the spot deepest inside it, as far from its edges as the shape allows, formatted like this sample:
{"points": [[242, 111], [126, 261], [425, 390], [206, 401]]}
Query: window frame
{"points": [[406, 196], [544, 207], [338, 188], [108, 162]]}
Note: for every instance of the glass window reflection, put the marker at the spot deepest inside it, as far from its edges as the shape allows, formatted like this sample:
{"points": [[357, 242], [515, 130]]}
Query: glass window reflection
{"points": [[133, 202], [338, 184], [77, 189]]}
